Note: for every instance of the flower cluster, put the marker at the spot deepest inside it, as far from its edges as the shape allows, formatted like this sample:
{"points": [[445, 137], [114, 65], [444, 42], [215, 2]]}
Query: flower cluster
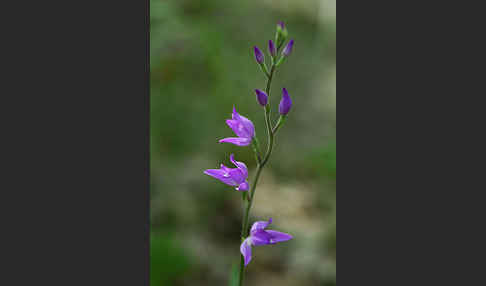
{"points": [[245, 131]]}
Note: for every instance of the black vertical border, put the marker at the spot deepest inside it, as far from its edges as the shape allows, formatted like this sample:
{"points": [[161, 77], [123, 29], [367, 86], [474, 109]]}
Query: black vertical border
{"points": [[147, 142], [75, 143], [411, 143]]}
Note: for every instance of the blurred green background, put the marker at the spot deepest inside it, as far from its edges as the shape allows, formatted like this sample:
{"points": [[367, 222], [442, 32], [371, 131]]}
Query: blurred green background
{"points": [[201, 64]]}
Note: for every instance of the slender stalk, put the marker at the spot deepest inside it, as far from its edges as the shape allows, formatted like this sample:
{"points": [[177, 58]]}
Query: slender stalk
{"points": [[256, 150], [277, 126], [267, 117], [260, 165], [244, 228]]}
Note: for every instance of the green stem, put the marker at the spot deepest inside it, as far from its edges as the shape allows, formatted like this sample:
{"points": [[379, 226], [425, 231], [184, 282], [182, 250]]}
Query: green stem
{"points": [[244, 228], [256, 150], [267, 118], [260, 165], [280, 122]]}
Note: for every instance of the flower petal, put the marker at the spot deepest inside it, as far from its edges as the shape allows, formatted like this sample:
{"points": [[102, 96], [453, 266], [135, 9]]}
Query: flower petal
{"points": [[237, 128], [277, 236], [248, 126], [239, 165], [245, 250], [221, 175], [236, 140], [235, 115], [243, 187], [260, 237], [215, 173], [241, 125], [260, 225], [224, 168], [237, 176]]}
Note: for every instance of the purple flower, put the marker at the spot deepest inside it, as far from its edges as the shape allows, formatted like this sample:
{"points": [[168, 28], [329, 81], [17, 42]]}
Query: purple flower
{"points": [[260, 236], [271, 48], [288, 48], [231, 176], [242, 127], [285, 103], [258, 55], [281, 25], [262, 97]]}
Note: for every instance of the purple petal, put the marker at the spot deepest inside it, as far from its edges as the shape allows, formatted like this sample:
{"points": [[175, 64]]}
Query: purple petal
{"points": [[237, 141], [221, 175], [245, 250], [243, 186], [216, 173], [248, 125], [277, 236], [224, 168], [241, 125], [235, 115], [239, 165], [260, 225], [237, 176], [237, 128], [260, 237]]}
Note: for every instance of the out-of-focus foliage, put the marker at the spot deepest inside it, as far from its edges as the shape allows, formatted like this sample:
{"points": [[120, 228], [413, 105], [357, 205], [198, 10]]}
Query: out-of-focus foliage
{"points": [[201, 65], [167, 261]]}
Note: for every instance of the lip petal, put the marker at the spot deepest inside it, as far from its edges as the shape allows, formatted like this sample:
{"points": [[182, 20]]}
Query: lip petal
{"points": [[243, 187], [245, 250]]}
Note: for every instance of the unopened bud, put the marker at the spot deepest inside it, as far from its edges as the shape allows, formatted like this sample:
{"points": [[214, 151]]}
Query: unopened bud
{"points": [[281, 34], [271, 48], [288, 48], [262, 97], [285, 103], [258, 55]]}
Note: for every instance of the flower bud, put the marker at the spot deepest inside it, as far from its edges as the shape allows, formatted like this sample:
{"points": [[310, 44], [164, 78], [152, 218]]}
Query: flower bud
{"points": [[285, 103], [271, 48], [262, 97], [258, 55], [283, 30], [288, 48], [281, 34]]}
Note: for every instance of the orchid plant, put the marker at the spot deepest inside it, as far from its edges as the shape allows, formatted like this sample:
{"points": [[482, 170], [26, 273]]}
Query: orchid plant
{"points": [[245, 132]]}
